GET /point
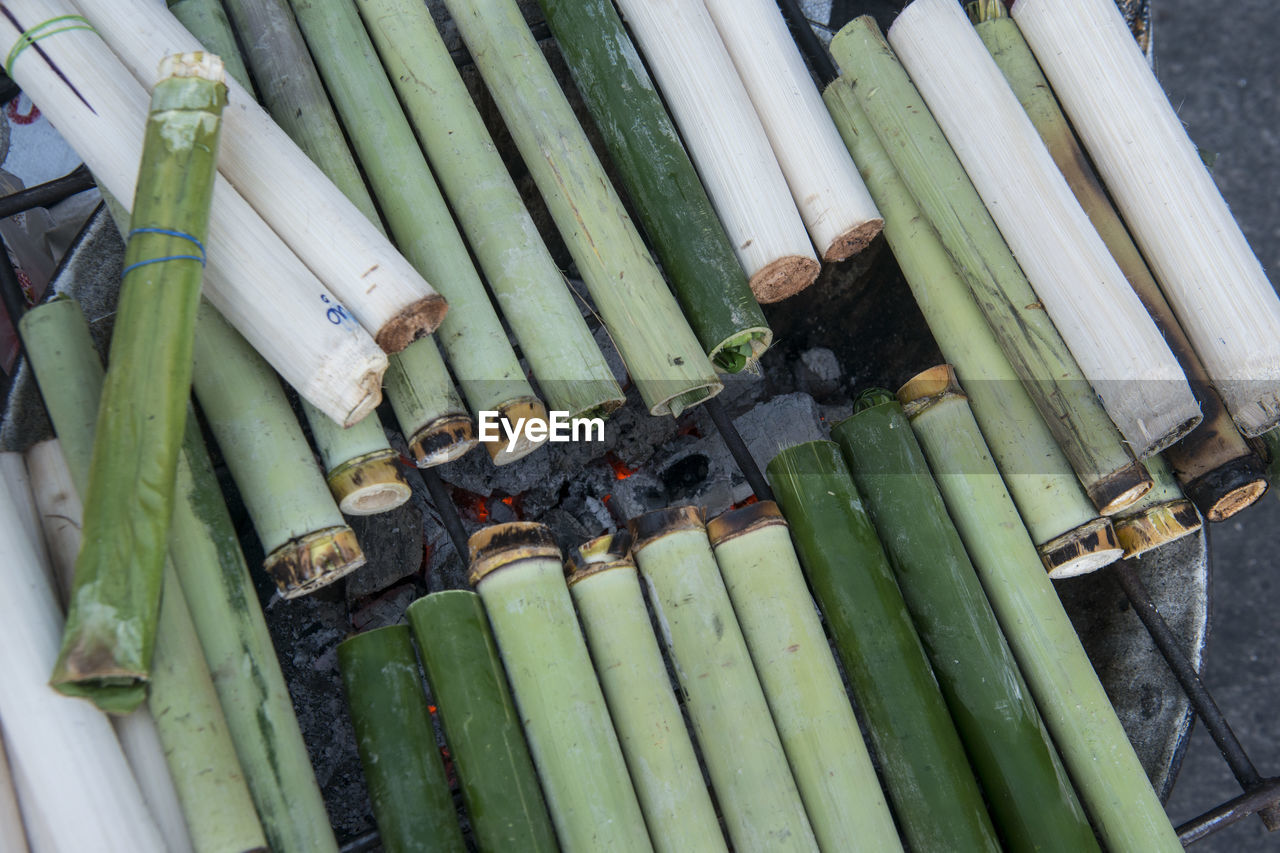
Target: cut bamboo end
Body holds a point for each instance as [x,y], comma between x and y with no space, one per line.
[937,381]
[369,484]
[200,64]
[611,551]
[303,565]
[527,409]
[443,440]
[1085,549]
[415,321]
[742,351]
[501,545]
[677,404]
[853,241]
[1156,526]
[1120,489]
[739,522]
[652,526]
[1229,488]
[783,277]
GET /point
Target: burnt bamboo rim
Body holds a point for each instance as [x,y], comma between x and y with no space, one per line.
[369,484]
[853,241]
[602,554]
[1120,489]
[743,520]
[443,440]
[1081,550]
[783,277]
[414,321]
[511,412]
[1156,526]
[1227,489]
[652,526]
[500,545]
[306,563]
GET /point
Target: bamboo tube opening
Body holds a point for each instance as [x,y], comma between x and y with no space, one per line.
[1084,549]
[742,351]
[784,277]
[501,545]
[305,564]
[738,522]
[416,320]
[652,526]
[1121,489]
[527,409]
[677,404]
[1227,489]
[1156,526]
[853,241]
[443,440]
[369,484]
[610,551]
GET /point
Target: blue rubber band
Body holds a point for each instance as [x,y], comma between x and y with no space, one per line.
[168,233]
[40,31]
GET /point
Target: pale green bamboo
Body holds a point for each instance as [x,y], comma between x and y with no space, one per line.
[518,572]
[606,592]
[306,540]
[531,290]
[802,684]
[661,353]
[1103,766]
[432,417]
[744,756]
[1063,523]
[207,21]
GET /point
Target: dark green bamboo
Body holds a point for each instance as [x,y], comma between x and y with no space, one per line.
[402,764]
[660,179]
[927,777]
[481,726]
[1031,799]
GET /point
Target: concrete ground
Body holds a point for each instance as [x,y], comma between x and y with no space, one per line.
[1220,65]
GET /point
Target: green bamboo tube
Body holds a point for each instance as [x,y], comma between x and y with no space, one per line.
[402,764]
[1068,533]
[1161,516]
[927,777]
[431,415]
[471,333]
[745,759]
[306,540]
[207,21]
[114,604]
[1215,466]
[815,721]
[937,181]
[1104,768]
[1031,800]
[567,364]
[189,720]
[517,570]
[661,353]
[661,182]
[481,726]
[605,588]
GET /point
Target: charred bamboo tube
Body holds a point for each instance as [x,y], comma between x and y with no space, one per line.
[115,601]
[659,349]
[655,169]
[432,417]
[328,357]
[566,362]
[727,143]
[1068,533]
[834,203]
[804,689]
[471,334]
[1107,774]
[402,764]
[745,759]
[1083,290]
[1031,800]
[937,181]
[1161,516]
[1217,469]
[481,726]
[306,540]
[517,570]
[351,256]
[605,587]
[207,21]
[1167,197]
[927,777]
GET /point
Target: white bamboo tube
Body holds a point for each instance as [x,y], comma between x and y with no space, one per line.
[726,142]
[343,248]
[14,475]
[295,322]
[13,837]
[1101,319]
[833,201]
[60,512]
[82,794]
[1168,199]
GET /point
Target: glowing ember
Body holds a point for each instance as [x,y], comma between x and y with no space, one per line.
[620,469]
[471,506]
[748,502]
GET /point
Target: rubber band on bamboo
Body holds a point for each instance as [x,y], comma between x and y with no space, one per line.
[168,233]
[41,31]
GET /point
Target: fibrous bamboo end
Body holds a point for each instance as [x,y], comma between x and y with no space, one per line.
[1156,526]
[417,320]
[784,277]
[305,564]
[676,404]
[853,241]
[1119,489]
[1084,549]
[443,440]
[610,551]
[369,484]
[206,66]
[742,351]
[500,545]
[743,520]
[648,528]
[527,409]
[1227,489]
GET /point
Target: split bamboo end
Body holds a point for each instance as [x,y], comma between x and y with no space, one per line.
[1156,526]
[738,522]
[1227,489]
[686,399]
[654,525]
[443,440]
[1120,489]
[853,241]
[527,409]
[303,565]
[200,64]
[610,551]
[417,320]
[784,277]
[1081,550]
[500,545]
[369,484]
